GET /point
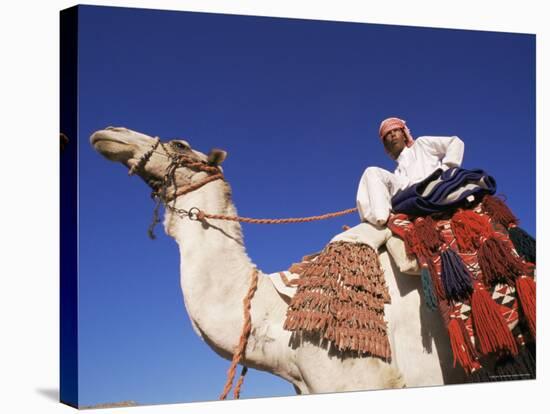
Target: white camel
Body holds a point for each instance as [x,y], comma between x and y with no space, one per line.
[216,273]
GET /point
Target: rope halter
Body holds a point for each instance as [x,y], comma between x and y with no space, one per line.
[177,160]
[166,189]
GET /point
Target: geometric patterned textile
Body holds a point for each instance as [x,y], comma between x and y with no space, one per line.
[471,332]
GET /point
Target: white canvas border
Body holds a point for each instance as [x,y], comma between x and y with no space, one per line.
[29,304]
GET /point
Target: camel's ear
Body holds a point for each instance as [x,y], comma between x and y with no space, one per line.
[216,156]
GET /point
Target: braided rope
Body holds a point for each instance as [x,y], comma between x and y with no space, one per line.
[201,215]
[237,391]
[144,159]
[238,354]
[199,165]
[192,187]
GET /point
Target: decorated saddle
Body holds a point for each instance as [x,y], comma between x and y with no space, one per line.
[477,269]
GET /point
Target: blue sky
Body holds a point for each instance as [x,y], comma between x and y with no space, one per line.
[297,105]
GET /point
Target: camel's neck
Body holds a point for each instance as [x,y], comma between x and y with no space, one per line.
[215,269]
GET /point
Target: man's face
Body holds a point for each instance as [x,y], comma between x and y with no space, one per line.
[394,142]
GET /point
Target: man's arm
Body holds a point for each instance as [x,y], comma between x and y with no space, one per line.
[363,197]
[449,150]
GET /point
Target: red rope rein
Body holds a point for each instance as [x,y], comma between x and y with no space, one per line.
[202,215]
[239,352]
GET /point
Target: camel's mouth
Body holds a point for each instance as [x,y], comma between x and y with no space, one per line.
[122,145]
[109,134]
[111,145]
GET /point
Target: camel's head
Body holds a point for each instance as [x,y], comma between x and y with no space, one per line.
[151,162]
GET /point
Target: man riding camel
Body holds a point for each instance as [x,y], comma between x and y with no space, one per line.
[416,160]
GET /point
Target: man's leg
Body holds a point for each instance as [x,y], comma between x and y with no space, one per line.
[376,188]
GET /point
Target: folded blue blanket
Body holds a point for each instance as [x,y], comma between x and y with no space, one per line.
[443,191]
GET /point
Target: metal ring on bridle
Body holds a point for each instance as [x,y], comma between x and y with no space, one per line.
[193,213]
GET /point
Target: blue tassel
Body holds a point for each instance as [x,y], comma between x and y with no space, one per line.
[525,245]
[428,288]
[457,280]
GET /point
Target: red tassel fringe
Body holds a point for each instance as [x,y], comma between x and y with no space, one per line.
[497,263]
[491,329]
[527,293]
[410,243]
[499,211]
[468,227]
[463,351]
[426,238]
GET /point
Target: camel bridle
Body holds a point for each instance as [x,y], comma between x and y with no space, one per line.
[177,160]
[166,189]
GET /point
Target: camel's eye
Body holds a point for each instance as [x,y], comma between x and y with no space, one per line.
[179,146]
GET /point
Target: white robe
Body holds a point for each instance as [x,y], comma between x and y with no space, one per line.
[377,186]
